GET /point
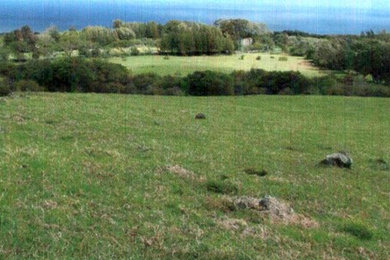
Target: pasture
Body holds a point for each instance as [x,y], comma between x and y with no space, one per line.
[86,175]
[183,65]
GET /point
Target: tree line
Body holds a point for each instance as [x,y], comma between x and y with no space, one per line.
[174,37]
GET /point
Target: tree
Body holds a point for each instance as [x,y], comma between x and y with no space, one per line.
[240,28]
[152,30]
[125,33]
[117,24]
[69,42]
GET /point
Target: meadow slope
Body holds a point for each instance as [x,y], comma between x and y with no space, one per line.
[228,63]
[84,175]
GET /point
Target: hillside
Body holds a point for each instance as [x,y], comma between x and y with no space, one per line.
[113,176]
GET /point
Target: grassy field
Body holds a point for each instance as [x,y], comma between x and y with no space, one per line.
[185,65]
[83,175]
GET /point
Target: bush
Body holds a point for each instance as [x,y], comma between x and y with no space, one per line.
[283,58]
[258,58]
[209,83]
[135,51]
[143,82]
[5,90]
[72,74]
[28,85]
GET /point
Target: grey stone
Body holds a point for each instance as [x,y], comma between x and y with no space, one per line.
[341,159]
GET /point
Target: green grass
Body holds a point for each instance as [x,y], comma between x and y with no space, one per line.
[83,176]
[185,65]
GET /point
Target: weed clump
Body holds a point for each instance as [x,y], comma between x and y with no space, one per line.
[380,165]
[251,171]
[258,58]
[358,230]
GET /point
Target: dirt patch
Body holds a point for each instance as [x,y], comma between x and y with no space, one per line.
[277,211]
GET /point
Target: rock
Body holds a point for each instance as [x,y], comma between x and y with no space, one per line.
[276,208]
[340,159]
[200,116]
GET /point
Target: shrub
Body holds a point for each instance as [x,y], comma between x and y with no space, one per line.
[72,74]
[28,85]
[258,58]
[209,83]
[144,82]
[5,90]
[242,57]
[135,51]
[166,57]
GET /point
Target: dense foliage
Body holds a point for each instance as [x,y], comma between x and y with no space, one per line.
[187,38]
[368,54]
[94,75]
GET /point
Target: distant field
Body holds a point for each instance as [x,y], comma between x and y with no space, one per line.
[185,65]
[83,176]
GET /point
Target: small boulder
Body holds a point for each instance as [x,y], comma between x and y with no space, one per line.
[276,208]
[341,159]
[200,116]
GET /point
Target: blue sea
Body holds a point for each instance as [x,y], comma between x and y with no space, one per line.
[66,13]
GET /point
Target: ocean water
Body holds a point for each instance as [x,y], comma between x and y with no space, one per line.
[66,13]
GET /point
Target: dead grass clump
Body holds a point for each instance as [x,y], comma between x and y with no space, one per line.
[277,211]
[181,172]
